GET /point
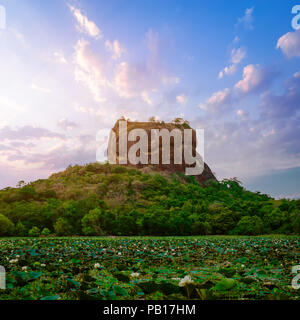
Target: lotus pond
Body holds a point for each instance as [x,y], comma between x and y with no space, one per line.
[149,268]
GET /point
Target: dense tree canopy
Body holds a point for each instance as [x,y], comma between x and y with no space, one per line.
[101,199]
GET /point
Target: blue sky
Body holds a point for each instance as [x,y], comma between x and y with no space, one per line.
[70,68]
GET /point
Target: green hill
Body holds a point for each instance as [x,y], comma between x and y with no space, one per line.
[103,199]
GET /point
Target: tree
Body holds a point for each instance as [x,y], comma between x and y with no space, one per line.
[46,232]
[201,227]
[34,232]
[91,222]
[249,226]
[20,184]
[223,222]
[20,229]
[62,227]
[6,226]
[178,120]
[26,193]
[295,221]
[275,219]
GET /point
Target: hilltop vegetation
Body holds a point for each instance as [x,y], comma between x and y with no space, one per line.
[103,199]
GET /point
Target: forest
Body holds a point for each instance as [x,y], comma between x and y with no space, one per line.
[102,199]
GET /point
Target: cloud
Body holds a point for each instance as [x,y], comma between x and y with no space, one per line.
[132,80]
[216,100]
[59,57]
[40,89]
[33,152]
[73,150]
[244,115]
[297,74]
[231,69]
[285,105]
[289,44]
[113,82]
[66,124]
[247,19]
[249,148]
[236,39]
[85,25]
[236,56]
[89,69]
[240,112]
[255,77]
[253,146]
[19,36]
[219,97]
[182,99]
[116,49]
[26,133]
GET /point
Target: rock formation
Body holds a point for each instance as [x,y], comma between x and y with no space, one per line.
[148,127]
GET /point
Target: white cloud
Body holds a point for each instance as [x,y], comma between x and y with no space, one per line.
[289,44]
[236,56]
[231,69]
[19,36]
[59,57]
[116,49]
[85,25]
[146,97]
[40,89]
[168,80]
[236,39]
[247,19]
[297,74]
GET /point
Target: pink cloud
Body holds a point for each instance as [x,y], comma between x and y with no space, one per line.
[289,44]
[85,25]
[254,77]
[66,124]
[217,99]
[89,69]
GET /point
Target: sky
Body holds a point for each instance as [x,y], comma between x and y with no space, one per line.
[232,68]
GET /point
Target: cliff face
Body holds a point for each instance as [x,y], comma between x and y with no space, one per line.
[172,166]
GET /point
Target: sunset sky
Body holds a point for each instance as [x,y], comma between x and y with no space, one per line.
[71,68]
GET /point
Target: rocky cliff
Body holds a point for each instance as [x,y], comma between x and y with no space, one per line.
[172,166]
